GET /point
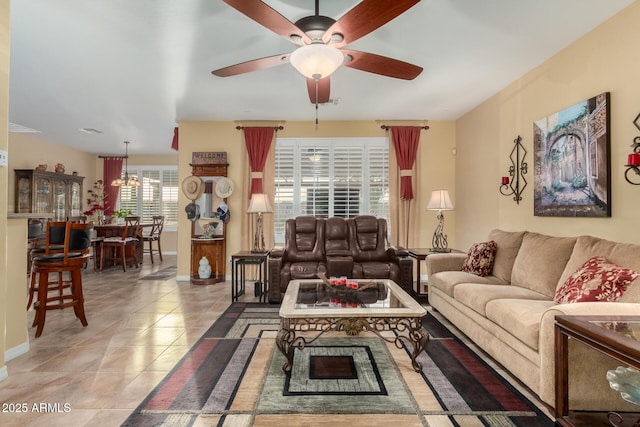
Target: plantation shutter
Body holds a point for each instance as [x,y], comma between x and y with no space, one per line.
[170,196]
[150,194]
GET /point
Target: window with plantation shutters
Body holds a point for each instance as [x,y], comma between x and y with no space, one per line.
[330,177]
[156,195]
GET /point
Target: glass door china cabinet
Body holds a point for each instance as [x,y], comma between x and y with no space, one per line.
[48,192]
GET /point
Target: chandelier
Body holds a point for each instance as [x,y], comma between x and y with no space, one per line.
[125,180]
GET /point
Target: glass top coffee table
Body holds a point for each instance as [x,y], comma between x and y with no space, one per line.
[376,306]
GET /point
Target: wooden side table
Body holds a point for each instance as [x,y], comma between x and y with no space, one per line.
[239,262]
[213,250]
[421,254]
[615,336]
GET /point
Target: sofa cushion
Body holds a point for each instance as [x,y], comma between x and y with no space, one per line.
[598,279]
[508,244]
[632,294]
[520,317]
[476,296]
[480,258]
[446,281]
[624,254]
[540,262]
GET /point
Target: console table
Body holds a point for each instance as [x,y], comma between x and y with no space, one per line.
[615,336]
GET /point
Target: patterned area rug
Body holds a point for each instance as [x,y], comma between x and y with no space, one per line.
[233,376]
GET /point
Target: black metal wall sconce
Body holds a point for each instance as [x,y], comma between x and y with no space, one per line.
[515,183]
[633,162]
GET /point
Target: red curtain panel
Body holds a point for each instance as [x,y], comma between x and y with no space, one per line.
[258,140]
[405,140]
[112,170]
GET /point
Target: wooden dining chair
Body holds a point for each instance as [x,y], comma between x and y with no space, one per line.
[154,236]
[81,219]
[123,246]
[60,293]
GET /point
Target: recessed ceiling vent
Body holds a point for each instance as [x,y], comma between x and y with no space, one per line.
[16,128]
[89,130]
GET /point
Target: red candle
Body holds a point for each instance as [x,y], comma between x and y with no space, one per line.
[505,180]
[634,159]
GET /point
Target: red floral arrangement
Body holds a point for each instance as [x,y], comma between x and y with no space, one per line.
[97,200]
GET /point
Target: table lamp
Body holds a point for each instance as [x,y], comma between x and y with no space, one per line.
[440,201]
[259,204]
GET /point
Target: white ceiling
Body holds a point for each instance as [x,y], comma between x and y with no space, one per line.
[133,68]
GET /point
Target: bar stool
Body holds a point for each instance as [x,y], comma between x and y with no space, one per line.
[67,293]
[53,244]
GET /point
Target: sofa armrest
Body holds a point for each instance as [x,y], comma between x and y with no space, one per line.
[582,360]
[445,262]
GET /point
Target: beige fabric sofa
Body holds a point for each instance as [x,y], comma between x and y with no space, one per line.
[510,314]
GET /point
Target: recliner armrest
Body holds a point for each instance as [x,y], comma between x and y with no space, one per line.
[395,252]
[338,252]
[277,252]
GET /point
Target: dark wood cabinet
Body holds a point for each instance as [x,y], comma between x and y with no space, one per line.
[214,250]
[48,193]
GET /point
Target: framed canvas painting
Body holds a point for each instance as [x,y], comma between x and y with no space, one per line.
[571,155]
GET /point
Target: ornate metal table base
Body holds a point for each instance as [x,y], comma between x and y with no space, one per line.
[407,328]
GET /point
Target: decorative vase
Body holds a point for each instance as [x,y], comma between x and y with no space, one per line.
[59,168]
[204,271]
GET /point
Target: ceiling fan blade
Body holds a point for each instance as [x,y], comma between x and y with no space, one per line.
[382,65]
[253,65]
[365,17]
[324,88]
[268,17]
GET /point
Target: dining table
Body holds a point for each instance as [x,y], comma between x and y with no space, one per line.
[115,230]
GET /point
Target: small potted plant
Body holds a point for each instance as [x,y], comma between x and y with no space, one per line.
[120,214]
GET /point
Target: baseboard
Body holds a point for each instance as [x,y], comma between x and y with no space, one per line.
[3,373]
[188,278]
[16,351]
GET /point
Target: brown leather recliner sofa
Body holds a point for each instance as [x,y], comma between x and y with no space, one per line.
[354,247]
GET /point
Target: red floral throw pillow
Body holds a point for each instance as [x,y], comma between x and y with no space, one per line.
[480,258]
[598,279]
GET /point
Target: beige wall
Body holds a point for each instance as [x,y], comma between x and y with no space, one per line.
[604,60]
[27,151]
[4,173]
[23,146]
[436,162]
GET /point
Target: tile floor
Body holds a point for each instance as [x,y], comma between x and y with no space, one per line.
[138,330]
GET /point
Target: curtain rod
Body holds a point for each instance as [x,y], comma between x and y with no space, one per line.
[277,128]
[113,157]
[385,127]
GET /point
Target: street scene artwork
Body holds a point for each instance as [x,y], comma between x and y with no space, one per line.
[572,170]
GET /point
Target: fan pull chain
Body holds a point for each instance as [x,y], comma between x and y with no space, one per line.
[316,103]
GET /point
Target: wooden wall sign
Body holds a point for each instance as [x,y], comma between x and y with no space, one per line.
[209,157]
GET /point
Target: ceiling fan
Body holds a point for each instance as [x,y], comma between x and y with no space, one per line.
[320,40]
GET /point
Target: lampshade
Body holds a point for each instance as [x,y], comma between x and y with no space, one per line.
[316,60]
[440,201]
[259,203]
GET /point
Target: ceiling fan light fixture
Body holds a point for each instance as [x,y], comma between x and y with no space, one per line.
[317,60]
